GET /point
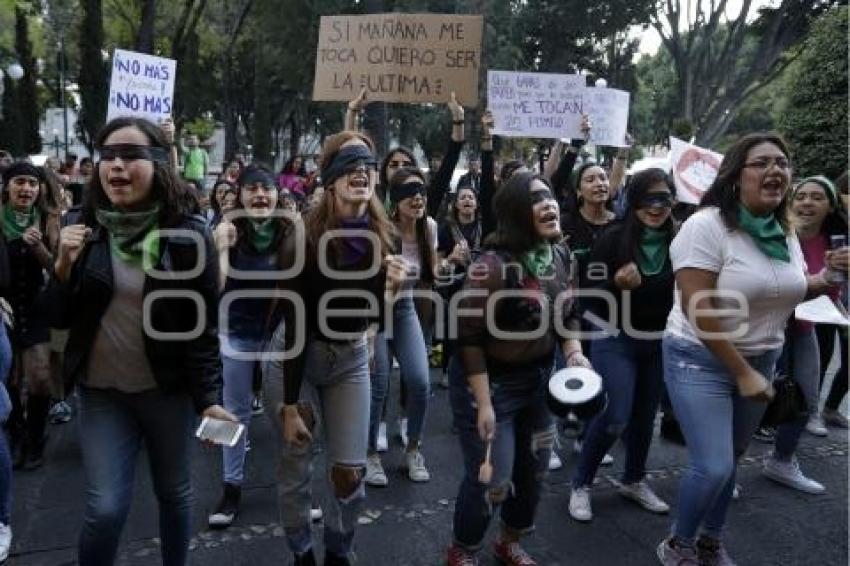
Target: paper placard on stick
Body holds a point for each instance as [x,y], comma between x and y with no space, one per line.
[608,109]
[536,105]
[694,169]
[399,57]
[822,311]
[141,85]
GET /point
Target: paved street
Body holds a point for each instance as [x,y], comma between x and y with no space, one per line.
[408,524]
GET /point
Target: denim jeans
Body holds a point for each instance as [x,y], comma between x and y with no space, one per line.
[717,424]
[520,452]
[633,377]
[5,409]
[238,393]
[112,427]
[336,388]
[408,345]
[805,369]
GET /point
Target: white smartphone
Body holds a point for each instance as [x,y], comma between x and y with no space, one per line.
[220,432]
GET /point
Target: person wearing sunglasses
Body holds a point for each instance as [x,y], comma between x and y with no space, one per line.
[30,233]
[638,276]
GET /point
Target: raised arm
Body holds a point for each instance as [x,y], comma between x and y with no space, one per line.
[488,176]
[618,169]
[441,181]
[354,110]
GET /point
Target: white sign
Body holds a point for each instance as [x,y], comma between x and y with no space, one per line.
[608,109]
[537,105]
[694,169]
[142,85]
[822,311]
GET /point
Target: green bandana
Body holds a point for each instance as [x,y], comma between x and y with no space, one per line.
[538,260]
[766,232]
[15,223]
[133,236]
[652,251]
[263,234]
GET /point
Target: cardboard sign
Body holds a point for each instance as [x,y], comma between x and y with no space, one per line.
[142,85]
[399,57]
[608,109]
[694,169]
[536,105]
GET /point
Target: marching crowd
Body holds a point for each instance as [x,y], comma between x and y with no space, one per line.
[144,301]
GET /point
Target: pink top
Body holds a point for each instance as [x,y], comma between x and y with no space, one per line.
[292,182]
[814,252]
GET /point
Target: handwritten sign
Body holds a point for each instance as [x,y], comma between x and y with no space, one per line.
[142,85]
[694,169]
[608,109]
[399,57]
[536,105]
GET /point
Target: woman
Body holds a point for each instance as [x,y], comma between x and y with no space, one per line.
[111,260]
[248,244]
[813,207]
[639,278]
[292,175]
[499,396]
[404,338]
[220,191]
[736,260]
[30,232]
[327,387]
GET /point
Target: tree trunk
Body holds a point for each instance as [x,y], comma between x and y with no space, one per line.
[27,93]
[376,113]
[145,37]
[94,88]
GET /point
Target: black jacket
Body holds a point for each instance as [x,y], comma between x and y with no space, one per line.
[188,364]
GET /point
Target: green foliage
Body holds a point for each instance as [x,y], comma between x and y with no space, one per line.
[201,126]
[815,119]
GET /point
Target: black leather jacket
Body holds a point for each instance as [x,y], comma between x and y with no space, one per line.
[188,364]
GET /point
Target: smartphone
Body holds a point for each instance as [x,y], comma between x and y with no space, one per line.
[220,432]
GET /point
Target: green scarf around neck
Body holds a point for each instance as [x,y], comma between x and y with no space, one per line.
[652,251]
[133,236]
[538,260]
[264,232]
[14,223]
[766,232]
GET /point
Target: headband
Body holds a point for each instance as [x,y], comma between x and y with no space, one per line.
[827,185]
[253,175]
[20,169]
[344,159]
[406,190]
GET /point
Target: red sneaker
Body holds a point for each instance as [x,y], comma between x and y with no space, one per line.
[459,557]
[512,554]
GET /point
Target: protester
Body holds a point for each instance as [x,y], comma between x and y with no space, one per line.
[639,278]
[231,172]
[111,258]
[327,389]
[499,397]
[718,370]
[219,194]
[292,175]
[472,178]
[195,161]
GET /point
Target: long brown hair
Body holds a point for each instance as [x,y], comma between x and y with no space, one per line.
[423,244]
[322,218]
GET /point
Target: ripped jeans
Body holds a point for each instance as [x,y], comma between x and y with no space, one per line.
[525,433]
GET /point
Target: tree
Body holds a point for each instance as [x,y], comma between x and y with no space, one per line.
[146,35]
[815,118]
[30,140]
[94,72]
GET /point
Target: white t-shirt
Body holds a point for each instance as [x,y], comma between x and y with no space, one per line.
[769,289]
[410,253]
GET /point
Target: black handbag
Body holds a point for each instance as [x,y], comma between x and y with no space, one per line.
[789,404]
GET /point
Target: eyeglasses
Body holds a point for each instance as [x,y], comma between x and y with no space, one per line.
[764,163]
[398,164]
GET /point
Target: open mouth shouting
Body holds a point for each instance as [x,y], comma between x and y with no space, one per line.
[119,183]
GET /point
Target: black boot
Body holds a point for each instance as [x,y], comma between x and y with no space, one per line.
[228,507]
[306,559]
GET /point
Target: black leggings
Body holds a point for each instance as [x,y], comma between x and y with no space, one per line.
[826,343]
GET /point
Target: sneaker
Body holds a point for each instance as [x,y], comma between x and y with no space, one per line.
[375,475]
[642,494]
[416,469]
[5,541]
[671,552]
[402,431]
[789,474]
[257,406]
[381,443]
[766,434]
[227,508]
[456,556]
[711,552]
[580,508]
[736,492]
[607,459]
[512,554]
[836,418]
[60,413]
[316,514]
[816,426]
[555,462]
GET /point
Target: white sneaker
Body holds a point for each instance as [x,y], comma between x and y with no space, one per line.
[607,459]
[402,430]
[816,426]
[316,514]
[375,475]
[381,443]
[642,494]
[789,474]
[736,492]
[416,469]
[5,541]
[580,508]
[835,418]
[555,462]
